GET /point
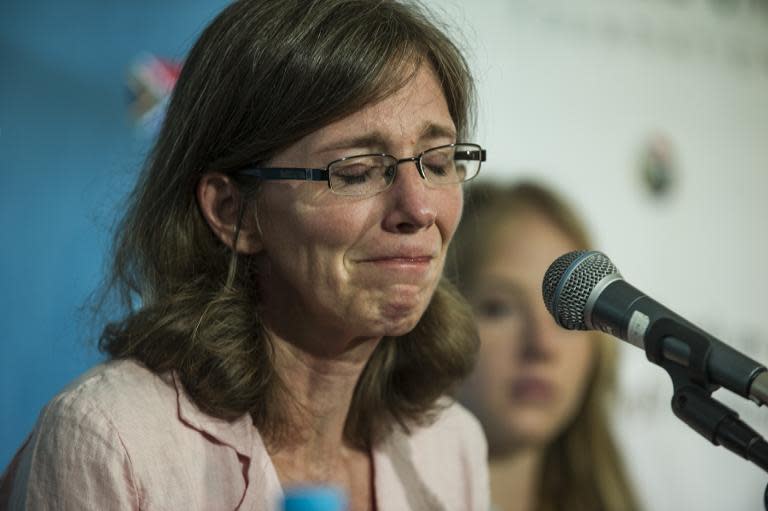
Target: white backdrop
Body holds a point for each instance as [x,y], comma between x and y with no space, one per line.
[570,93]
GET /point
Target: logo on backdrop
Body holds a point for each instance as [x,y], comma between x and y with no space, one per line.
[150,82]
[657,166]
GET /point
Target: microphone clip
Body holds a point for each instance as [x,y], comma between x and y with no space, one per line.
[684,352]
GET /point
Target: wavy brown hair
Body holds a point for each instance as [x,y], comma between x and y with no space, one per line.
[262,75]
[582,468]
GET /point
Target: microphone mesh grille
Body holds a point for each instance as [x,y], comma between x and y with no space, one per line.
[568,283]
[554,274]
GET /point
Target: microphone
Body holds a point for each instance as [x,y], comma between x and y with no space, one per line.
[583,290]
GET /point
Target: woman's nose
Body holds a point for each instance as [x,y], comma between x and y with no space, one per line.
[540,337]
[411,202]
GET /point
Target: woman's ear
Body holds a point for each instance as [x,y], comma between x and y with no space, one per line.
[220,201]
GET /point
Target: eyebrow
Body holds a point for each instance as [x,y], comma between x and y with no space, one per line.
[373,139]
[432,130]
[486,285]
[377,139]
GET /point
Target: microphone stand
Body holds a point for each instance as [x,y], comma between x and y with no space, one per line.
[692,401]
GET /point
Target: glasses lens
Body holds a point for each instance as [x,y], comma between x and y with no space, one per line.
[451,164]
[362,175]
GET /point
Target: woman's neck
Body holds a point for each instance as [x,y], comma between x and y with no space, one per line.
[515,480]
[321,390]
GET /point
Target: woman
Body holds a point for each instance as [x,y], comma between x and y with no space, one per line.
[540,391]
[287,322]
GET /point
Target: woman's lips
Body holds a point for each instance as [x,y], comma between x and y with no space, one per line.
[532,390]
[397,260]
[412,268]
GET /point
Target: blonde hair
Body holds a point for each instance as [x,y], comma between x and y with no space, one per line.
[582,467]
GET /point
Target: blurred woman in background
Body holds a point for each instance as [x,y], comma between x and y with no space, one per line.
[540,391]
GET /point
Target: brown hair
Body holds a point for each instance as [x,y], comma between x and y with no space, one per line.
[261,76]
[582,467]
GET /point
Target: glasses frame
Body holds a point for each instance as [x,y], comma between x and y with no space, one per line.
[324,174]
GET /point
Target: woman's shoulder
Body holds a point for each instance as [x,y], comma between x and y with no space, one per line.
[115,391]
[115,378]
[121,433]
[149,415]
[76,456]
[119,407]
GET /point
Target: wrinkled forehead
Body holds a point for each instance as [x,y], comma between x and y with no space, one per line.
[418,110]
[412,119]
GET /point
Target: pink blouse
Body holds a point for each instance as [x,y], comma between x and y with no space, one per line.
[122,437]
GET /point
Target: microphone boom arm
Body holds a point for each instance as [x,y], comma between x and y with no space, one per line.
[693,404]
[685,352]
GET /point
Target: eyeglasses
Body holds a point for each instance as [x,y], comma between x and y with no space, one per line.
[369,174]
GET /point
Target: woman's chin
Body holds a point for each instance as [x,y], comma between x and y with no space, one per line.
[388,314]
[401,329]
[394,325]
[400,319]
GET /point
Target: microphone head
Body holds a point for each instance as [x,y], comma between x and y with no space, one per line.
[568,283]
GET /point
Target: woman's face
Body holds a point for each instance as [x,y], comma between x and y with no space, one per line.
[342,268]
[531,374]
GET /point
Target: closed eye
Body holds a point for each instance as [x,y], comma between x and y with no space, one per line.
[438,164]
[353,174]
